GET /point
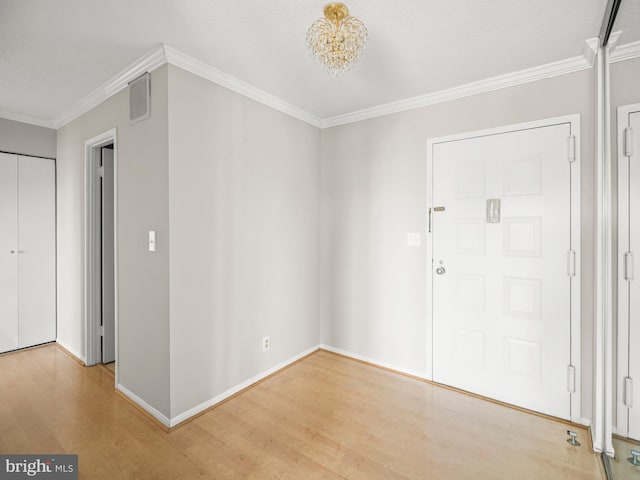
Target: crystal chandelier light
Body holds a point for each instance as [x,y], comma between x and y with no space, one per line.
[337,39]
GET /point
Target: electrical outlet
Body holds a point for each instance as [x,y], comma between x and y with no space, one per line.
[266,343]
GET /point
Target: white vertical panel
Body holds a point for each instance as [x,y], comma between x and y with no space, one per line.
[37,261]
[8,252]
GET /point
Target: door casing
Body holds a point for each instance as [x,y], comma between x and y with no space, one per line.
[92,252]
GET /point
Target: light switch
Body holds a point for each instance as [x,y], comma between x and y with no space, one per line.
[152,240]
[413,239]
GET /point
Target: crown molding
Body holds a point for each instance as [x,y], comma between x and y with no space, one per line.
[206,71]
[148,62]
[17,117]
[627,51]
[590,50]
[165,54]
[549,70]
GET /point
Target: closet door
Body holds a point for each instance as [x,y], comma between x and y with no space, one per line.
[628,411]
[8,252]
[37,258]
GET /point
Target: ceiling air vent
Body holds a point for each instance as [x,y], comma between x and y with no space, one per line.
[140,98]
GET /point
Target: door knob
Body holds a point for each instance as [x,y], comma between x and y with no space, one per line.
[13,251]
[440,270]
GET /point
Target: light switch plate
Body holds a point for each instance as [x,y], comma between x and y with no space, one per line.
[152,240]
[413,239]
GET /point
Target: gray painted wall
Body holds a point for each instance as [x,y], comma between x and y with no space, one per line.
[244,211]
[17,137]
[373,191]
[624,84]
[143,204]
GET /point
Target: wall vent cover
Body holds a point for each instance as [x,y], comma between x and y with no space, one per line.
[140,98]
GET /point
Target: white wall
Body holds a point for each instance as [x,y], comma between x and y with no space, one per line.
[373,191]
[17,137]
[244,211]
[143,277]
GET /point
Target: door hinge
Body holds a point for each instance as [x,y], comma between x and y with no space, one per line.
[628,392]
[100,171]
[571,263]
[571,150]
[429,219]
[628,142]
[628,266]
[571,379]
[102,330]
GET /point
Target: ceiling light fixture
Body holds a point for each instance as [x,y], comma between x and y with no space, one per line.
[337,39]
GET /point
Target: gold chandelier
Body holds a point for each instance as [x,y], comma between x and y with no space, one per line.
[337,39]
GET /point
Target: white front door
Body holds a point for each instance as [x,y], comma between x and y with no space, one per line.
[628,389]
[502,264]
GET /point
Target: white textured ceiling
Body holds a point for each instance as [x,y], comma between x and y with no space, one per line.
[53,53]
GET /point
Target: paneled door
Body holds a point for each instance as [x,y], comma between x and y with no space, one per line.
[504,261]
[628,411]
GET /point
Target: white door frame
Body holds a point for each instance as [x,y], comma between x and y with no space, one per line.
[575,355]
[92,257]
[622,424]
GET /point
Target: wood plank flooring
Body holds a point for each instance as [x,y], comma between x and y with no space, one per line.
[326,417]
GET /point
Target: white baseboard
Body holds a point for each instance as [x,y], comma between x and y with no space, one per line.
[233,390]
[584,421]
[374,361]
[72,351]
[141,403]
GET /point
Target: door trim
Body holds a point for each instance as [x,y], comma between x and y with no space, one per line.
[575,333]
[91,253]
[621,426]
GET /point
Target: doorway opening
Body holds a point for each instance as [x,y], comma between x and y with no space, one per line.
[101,251]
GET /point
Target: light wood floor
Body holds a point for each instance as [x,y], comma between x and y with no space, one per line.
[111,367]
[326,417]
